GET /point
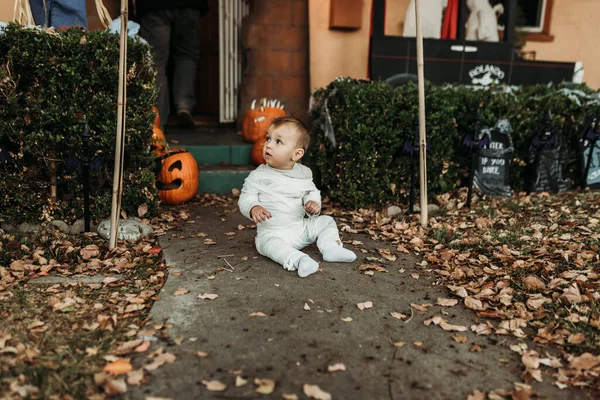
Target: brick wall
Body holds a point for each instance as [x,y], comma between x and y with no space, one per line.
[275,44]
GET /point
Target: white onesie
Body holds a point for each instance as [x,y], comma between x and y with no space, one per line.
[283,193]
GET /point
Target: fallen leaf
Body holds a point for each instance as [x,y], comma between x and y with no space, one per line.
[459,338]
[135,377]
[118,367]
[142,347]
[209,242]
[265,386]
[366,304]
[180,292]
[576,338]
[214,385]
[367,267]
[336,367]
[346,319]
[201,354]
[207,296]
[257,314]
[289,396]
[531,282]
[398,315]
[239,381]
[416,276]
[399,344]
[418,344]
[315,392]
[306,307]
[473,303]
[446,302]
[142,210]
[476,348]
[421,307]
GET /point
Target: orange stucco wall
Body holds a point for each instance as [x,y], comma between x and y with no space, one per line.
[334,53]
[575,28]
[6,10]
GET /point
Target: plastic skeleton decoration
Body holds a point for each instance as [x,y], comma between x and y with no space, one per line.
[483,21]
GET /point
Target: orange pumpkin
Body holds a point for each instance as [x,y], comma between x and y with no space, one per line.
[257,120]
[257,155]
[177,181]
[158,142]
[156,117]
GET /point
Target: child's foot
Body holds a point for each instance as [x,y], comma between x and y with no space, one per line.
[338,254]
[307,266]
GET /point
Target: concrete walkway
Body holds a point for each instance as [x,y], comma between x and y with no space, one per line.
[294,345]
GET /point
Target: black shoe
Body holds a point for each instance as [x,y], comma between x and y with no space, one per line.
[185,119]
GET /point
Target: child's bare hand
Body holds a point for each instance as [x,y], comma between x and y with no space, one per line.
[312,207]
[259,214]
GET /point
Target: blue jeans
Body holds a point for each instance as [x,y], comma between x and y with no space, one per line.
[59,13]
[174,33]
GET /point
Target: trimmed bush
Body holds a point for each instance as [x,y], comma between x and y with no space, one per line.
[51,83]
[365,164]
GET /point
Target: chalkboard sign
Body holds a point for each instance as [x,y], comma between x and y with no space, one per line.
[593,173]
[494,157]
[546,162]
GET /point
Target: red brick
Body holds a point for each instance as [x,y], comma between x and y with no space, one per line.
[298,110]
[255,87]
[291,39]
[300,13]
[299,61]
[257,36]
[269,62]
[272,12]
[290,88]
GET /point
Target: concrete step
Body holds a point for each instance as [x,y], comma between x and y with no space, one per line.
[223,157]
[217,146]
[222,179]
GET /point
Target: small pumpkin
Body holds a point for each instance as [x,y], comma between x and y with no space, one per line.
[257,120]
[177,181]
[158,142]
[256,154]
[156,117]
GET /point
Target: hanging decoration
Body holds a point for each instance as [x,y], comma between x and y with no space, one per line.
[590,143]
[546,160]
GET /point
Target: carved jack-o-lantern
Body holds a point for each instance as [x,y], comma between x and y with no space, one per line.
[257,120]
[257,155]
[177,181]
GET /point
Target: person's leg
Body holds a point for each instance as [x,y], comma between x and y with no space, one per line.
[38,10]
[68,13]
[284,253]
[325,231]
[186,53]
[155,28]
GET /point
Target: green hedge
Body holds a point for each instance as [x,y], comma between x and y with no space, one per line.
[372,120]
[50,83]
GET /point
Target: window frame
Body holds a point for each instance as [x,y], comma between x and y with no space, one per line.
[541,34]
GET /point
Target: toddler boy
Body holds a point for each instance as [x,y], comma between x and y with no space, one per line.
[278,195]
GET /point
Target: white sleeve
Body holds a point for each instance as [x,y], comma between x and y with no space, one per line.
[313,194]
[248,197]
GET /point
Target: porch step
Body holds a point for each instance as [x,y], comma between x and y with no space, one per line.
[217,146]
[223,157]
[222,179]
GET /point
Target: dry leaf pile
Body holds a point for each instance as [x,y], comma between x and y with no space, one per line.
[76,337]
[528,266]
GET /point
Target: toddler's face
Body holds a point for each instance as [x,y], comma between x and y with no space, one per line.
[280,149]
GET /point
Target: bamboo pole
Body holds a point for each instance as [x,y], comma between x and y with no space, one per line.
[120,137]
[422,130]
